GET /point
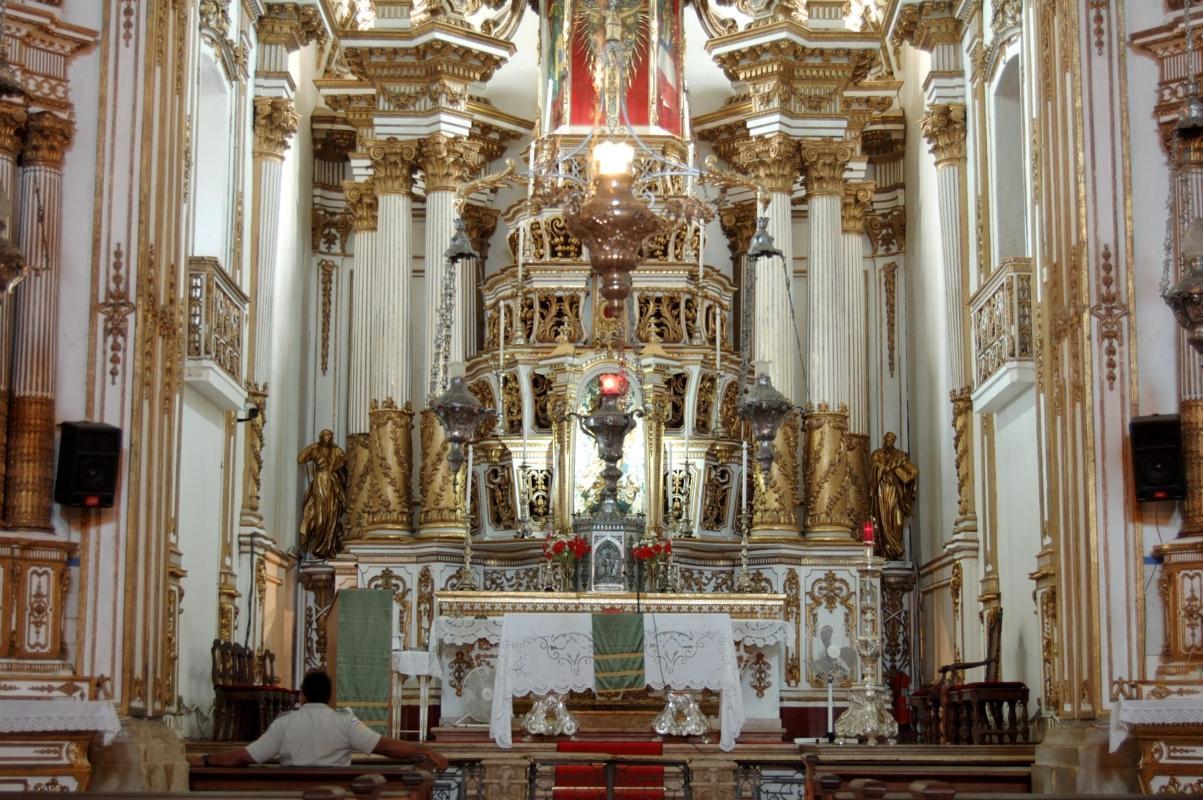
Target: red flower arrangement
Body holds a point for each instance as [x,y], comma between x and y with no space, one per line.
[567,550]
[652,552]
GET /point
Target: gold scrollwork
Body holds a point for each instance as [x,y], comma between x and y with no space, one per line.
[500,489]
[390,581]
[833,594]
[538,492]
[541,386]
[704,408]
[660,317]
[511,403]
[728,410]
[716,496]
[559,317]
[676,385]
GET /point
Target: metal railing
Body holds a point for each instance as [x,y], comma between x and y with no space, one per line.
[632,777]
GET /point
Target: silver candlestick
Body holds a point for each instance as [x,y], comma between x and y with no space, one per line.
[868,717]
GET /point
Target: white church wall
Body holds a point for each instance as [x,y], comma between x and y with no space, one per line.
[927,355]
[202,467]
[74,370]
[1018,535]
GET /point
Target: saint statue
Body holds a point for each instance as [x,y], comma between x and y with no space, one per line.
[325,498]
[891,494]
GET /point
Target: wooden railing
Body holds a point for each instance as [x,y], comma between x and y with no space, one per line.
[831,787]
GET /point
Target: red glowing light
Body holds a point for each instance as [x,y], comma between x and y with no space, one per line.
[612,383]
[866,529]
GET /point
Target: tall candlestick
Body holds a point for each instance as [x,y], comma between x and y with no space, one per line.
[689,174]
[547,109]
[701,254]
[744,471]
[830,705]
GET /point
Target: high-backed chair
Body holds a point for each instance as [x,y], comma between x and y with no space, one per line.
[246,697]
[991,711]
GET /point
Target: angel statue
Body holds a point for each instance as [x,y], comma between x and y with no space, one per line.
[616,32]
[325,498]
[891,494]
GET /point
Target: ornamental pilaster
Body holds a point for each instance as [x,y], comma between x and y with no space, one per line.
[276,121]
[47,137]
[362,201]
[857,200]
[823,163]
[944,128]
[449,162]
[12,124]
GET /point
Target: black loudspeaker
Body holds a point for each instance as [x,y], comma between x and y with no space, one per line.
[1157,457]
[88,457]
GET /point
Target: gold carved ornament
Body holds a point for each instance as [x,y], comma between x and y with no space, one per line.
[824,162]
[275,123]
[511,403]
[390,467]
[500,490]
[425,606]
[677,386]
[832,593]
[393,163]
[793,616]
[448,162]
[944,128]
[704,407]
[716,496]
[390,581]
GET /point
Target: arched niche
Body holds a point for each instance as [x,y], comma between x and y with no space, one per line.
[1008,162]
[587,478]
[213,173]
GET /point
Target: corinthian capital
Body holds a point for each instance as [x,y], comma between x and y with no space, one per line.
[824,161]
[858,196]
[393,165]
[449,162]
[771,160]
[275,122]
[480,223]
[47,137]
[12,121]
[944,128]
[361,199]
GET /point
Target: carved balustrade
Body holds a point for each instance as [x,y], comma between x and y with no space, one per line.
[216,314]
[1001,311]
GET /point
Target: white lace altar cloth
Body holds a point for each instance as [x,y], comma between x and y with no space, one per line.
[763,632]
[460,630]
[541,653]
[53,716]
[1168,712]
[416,663]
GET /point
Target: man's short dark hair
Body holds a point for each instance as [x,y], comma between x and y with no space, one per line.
[316,687]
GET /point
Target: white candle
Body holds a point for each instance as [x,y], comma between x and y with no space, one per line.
[521,249]
[689,174]
[830,705]
[701,254]
[744,504]
[718,337]
[524,436]
[547,109]
[669,446]
[501,336]
[468,489]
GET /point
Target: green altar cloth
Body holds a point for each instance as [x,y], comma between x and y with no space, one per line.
[363,668]
[617,654]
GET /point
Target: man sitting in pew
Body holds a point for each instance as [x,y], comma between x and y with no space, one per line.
[315,735]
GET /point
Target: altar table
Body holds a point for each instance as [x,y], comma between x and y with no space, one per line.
[542,653]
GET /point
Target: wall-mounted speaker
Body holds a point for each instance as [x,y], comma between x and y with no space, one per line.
[89,454]
[1157,457]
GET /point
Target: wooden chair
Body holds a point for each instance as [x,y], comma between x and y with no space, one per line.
[991,711]
[246,697]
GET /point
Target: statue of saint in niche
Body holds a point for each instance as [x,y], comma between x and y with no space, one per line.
[325,498]
[892,483]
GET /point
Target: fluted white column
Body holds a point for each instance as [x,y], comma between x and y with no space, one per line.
[944,127]
[829,508]
[774,339]
[12,118]
[30,471]
[392,300]
[362,201]
[856,200]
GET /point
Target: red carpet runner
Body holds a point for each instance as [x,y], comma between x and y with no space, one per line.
[588,781]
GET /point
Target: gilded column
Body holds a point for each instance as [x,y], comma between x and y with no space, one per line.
[858,197]
[446,164]
[656,401]
[389,300]
[29,478]
[562,429]
[944,128]
[828,510]
[12,120]
[275,123]
[361,199]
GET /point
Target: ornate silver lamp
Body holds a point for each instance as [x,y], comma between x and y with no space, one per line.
[764,408]
[1185,298]
[608,427]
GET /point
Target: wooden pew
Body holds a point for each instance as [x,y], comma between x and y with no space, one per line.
[397,779]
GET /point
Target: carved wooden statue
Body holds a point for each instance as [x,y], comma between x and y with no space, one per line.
[325,498]
[892,486]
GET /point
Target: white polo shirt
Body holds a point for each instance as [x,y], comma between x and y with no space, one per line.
[314,735]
